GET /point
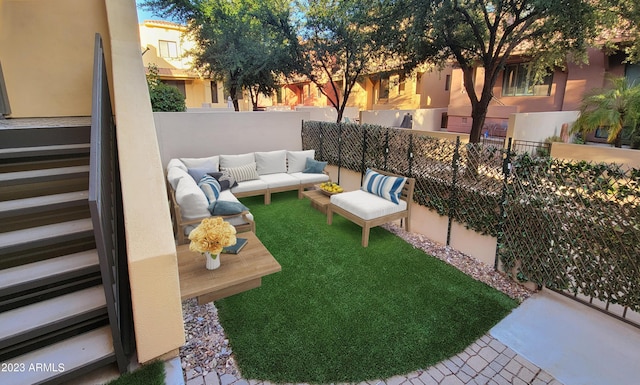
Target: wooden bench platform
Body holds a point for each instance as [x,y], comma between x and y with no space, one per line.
[237,272]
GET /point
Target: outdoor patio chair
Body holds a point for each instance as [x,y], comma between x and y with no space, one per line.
[384,197]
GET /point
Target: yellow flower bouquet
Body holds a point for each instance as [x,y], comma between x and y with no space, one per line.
[211,236]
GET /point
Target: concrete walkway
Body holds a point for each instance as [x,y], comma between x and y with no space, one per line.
[574,343]
[549,339]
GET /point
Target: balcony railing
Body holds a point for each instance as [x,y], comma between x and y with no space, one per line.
[105,203]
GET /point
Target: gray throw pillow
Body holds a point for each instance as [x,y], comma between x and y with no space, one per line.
[313,166]
[226,180]
[226,208]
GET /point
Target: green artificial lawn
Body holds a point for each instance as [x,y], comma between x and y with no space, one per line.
[150,374]
[338,312]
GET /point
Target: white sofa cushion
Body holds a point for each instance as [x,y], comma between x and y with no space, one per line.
[174,174]
[297,160]
[192,201]
[271,162]
[306,178]
[279,180]
[366,205]
[250,185]
[177,163]
[199,162]
[228,161]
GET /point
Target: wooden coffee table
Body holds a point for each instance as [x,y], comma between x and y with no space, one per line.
[319,200]
[237,272]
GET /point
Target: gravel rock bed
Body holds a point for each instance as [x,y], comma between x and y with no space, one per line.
[207,348]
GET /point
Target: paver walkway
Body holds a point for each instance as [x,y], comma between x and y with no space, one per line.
[486,362]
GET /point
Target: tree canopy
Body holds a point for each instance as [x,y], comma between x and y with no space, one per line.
[341,40]
[238,41]
[487,33]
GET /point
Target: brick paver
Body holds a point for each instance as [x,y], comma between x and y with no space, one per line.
[485,362]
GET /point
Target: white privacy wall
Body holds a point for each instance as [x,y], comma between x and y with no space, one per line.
[202,134]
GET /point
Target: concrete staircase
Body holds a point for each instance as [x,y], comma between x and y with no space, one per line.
[53,315]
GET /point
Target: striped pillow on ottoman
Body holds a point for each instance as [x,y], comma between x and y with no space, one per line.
[387,187]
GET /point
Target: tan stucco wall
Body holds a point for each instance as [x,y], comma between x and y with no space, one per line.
[46,50]
[203,134]
[432,88]
[155,288]
[596,153]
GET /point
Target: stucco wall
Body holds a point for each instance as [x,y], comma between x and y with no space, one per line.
[48,61]
[596,153]
[426,119]
[153,269]
[202,134]
[537,126]
[328,114]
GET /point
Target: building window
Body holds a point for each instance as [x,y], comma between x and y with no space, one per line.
[279,95]
[447,82]
[632,73]
[214,92]
[418,80]
[518,81]
[179,84]
[401,83]
[383,87]
[168,49]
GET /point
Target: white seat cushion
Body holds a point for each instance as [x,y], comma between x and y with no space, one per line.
[174,174]
[366,205]
[306,178]
[214,161]
[297,160]
[249,185]
[228,161]
[271,162]
[279,180]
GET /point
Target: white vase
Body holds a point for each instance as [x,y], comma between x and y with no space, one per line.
[213,262]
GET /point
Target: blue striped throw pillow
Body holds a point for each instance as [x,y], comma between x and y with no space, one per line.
[387,187]
[211,188]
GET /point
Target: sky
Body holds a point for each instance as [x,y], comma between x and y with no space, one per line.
[146,15]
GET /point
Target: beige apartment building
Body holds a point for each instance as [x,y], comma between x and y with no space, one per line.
[167,45]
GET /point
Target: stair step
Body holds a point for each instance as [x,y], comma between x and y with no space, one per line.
[42,203]
[25,277]
[45,235]
[38,151]
[40,318]
[44,175]
[79,354]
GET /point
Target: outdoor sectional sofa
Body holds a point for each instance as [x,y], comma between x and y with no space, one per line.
[256,173]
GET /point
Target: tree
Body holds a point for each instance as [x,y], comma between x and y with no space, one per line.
[236,41]
[615,108]
[621,21]
[341,40]
[487,33]
[163,97]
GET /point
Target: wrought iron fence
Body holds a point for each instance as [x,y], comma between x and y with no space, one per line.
[570,227]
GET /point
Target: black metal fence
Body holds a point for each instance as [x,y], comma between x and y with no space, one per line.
[570,227]
[105,204]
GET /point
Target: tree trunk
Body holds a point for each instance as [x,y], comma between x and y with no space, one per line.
[478,115]
[233,90]
[340,113]
[618,141]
